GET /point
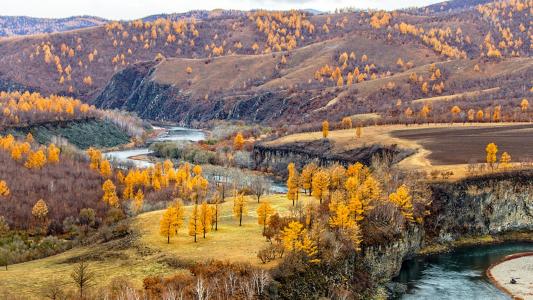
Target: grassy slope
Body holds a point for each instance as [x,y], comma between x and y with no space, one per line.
[83,134]
[146,254]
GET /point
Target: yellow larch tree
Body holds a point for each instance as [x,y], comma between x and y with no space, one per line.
[403,200]
[325,129]
[295,239]
[320,184]
[40,211]
[53,153]
[306,178]
[35,160]
[105,169]
[205,218]
[342,221]
[110,194]
[138,201]
[524,104]
[346,122]
[4,189]
[179,214]
[264,211]
[292,183]
[195,226]
[491,151]
[240,207]
[166,228]
[505,160]
[238,142]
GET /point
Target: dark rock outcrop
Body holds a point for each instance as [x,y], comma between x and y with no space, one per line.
[490,204]
[134,89]
[321,152]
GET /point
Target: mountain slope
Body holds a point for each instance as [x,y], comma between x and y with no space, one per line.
[20,25]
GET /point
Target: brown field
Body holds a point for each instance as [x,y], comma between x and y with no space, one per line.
[438,146]
[459,145]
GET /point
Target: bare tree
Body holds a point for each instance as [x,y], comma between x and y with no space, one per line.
[82,277]
[259,186]
[53,290]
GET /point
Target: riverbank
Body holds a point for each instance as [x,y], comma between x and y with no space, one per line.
[437,248]
[517,267]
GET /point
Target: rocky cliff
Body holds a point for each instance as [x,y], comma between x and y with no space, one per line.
[491,204]
[321,152]
[135,89]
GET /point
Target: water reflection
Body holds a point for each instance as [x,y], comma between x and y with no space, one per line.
[456,275]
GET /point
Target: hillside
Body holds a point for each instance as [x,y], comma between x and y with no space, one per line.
[285,63]
[19,25]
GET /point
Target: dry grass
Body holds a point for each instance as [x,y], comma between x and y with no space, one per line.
[144,258]
[237,244]
[456,96]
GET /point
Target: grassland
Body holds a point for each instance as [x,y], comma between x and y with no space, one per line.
[146,253]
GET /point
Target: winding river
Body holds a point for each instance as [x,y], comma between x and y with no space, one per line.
[459,274]
[173,133]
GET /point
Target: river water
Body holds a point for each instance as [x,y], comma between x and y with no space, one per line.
[456,275]
[172,134]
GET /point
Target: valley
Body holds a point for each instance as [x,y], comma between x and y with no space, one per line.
[343,153]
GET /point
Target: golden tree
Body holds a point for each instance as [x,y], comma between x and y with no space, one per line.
[205,218]
[346,122]
[455,111]
[264,211]
[491,151]
[524,104]
[53,153]
[320,184]
[479,115]
[296,239]
[195,226]
[188,70]
[166,228]
[325,129]
[138,200]
[403,200]
[40,210]
[240,208]
[179,213]
[342,221]
[238,142]
[4,189]
[358,131]
[110,194]
[306,177]
[292,183]
[105,169]
[505,160]
[35,160]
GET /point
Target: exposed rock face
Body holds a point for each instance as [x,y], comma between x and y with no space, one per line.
[7,85]
[491,204]
[485,205]
[384,261]
[134,89]
[321,152]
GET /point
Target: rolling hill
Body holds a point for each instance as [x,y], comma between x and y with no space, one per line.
[269,67]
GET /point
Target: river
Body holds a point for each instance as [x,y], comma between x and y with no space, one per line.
[459,274]
[172,133]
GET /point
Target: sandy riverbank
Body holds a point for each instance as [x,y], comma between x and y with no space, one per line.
[518,266]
